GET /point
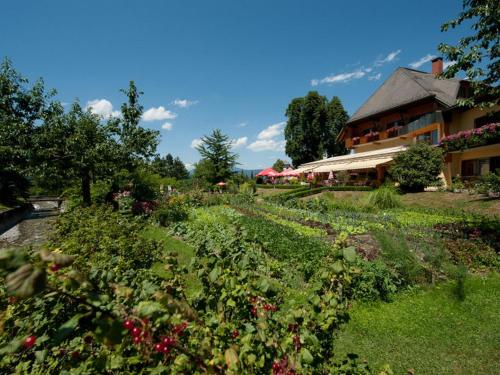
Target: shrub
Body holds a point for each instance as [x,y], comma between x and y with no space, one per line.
[384,197]
[417,167]
[374,282]
[248,187]
[172,211]
[489,184]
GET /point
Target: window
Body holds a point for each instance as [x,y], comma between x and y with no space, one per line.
[488,119]
[476,167]
[429,137]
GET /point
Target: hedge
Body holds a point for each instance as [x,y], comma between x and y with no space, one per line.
[267,186]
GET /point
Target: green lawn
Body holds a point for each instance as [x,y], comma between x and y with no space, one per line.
[430,331]
[184,254]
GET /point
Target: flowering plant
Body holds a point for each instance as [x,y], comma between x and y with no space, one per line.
[393,131]
[355,141]
[485,135]
[371,136]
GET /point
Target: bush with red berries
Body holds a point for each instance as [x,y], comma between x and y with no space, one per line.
[92,314]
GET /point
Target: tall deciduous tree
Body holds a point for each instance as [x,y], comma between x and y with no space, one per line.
[169,166]
[477,55]
[312,128]
[279,165]
[21,108]
[216,148]
[136,142]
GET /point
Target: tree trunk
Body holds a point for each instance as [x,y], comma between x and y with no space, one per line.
[87,200]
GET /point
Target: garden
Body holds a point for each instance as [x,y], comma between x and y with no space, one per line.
[201,283]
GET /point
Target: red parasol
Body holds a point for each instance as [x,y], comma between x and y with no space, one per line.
[269,172]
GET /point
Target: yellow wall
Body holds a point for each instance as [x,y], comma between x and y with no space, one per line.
[465,120]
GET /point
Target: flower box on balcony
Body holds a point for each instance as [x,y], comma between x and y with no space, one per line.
[485,135]
[392,132]
[372,136]
[355,140]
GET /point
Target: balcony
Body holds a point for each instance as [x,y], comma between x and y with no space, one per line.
[423,124]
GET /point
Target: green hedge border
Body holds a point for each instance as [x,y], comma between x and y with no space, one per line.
[284,187]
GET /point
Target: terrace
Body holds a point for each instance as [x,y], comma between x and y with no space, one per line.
[426,123]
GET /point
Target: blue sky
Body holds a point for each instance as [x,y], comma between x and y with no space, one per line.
[226,64]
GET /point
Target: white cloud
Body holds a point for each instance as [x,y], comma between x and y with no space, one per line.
[184,103]
[267,145]
[242,125]
[358,73]
[167,126]
[421,61]
[156,114]
[271,131]
[196,142]
[189,166]
[375,77]
[102,107]
[446,64]
[390,57]
[240,142]
[339,78]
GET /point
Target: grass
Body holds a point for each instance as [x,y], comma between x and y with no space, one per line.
[184,254]
[430,331]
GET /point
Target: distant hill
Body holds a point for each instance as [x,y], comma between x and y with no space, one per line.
[247,172]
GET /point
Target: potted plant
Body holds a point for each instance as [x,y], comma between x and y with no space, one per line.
[355,140]
[372,136]
[392,132]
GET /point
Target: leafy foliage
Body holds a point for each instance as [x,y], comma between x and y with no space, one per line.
[312,128]
[218,161]
[385,197]
[417,167]
[477,55]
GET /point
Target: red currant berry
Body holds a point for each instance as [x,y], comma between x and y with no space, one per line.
[276,366]
[136,331]
[75,355]
[55,267]
[29,341]
[137,340]
[87,339]
[169,341]
[235,334]
[128,324]
[159,347]
[166,350]
[253,310]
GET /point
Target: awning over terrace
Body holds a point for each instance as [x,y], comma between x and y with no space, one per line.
[359,161]
[354,165]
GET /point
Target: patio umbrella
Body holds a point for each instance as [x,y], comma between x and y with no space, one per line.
[268,172]
[222,183]
[310,176]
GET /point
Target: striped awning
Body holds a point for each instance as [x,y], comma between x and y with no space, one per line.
[353,165]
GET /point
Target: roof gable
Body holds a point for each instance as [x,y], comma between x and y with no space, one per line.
[405,86]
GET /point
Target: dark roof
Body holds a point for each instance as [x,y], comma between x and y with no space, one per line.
[406,86]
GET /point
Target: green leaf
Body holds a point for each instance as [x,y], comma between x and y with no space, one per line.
[306,356]
[214,274]
[67,328]
[26,281]
[349,254]
[148,308]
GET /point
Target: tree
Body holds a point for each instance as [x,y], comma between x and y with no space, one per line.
[418,167]
[336,118]
[77,146]
[216,148]
[136,142]
[477,55]
[170,167]
[279,165]
[312,128]
[21,107]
